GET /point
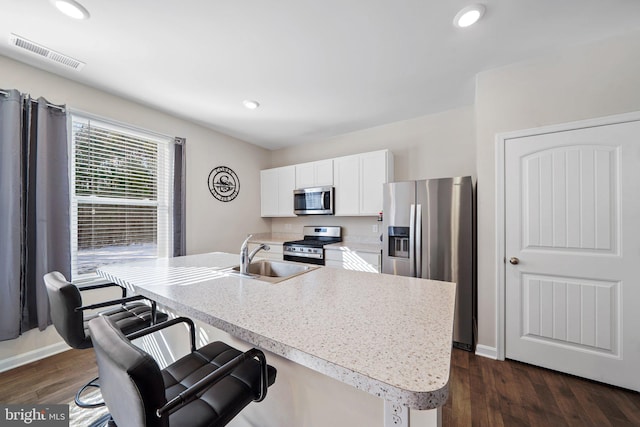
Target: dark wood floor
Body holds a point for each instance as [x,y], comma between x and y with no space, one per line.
[483,392]
[55,379]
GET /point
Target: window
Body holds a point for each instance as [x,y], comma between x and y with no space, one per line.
[121,200]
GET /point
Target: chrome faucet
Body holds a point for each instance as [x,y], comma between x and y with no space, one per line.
[246,257]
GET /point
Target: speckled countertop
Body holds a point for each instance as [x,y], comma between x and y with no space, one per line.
[274,238]
[387,335]
[355,245]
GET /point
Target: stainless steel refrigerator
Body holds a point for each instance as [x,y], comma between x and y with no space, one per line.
[429,232]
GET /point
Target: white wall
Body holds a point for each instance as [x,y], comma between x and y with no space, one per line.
[211,224]
[584,82]
[432,146]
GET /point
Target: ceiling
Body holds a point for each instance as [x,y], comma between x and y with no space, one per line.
[317,68]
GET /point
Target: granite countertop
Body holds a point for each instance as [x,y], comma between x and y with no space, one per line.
[357,246]
[274,238]
[352,244]
[387,335]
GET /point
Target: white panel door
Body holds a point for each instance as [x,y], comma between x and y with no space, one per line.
[572,241]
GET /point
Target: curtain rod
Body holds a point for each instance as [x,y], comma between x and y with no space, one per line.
[57,107]
[54,106]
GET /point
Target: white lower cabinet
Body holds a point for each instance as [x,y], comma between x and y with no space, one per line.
[274,253]
[353,260]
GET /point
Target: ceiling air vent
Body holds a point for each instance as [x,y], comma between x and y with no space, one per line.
[44,52]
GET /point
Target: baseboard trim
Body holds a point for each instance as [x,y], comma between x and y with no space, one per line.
[32,356]
[486,351]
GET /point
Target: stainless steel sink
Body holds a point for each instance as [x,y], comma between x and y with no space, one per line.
[273,271]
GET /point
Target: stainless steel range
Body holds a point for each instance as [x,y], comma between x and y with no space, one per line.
[311,249]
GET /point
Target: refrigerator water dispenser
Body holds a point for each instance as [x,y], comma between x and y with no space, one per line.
[399,242]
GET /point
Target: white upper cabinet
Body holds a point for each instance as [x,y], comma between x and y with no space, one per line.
[358,182]
[374,171]
[314,174]
[268,188]
[276,191]
[346,177]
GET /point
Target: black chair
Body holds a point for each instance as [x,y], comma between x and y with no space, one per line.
[69,319]
[207,387]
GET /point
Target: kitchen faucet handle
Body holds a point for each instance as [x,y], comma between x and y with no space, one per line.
[246,240]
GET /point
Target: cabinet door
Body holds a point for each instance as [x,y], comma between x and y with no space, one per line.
[352,260]
[373,173]
[269,192]
[314,174]
[286,185]
[305,175]
[323,172]
[346,178]
[276,191]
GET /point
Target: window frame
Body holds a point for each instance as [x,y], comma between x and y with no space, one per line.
[164,181]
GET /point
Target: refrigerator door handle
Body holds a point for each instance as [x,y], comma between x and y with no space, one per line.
[418,239]
[412,240]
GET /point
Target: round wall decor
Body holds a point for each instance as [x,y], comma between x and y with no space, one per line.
[223,183]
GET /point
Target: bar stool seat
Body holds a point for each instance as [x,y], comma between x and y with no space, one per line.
[130,314]
[207,387]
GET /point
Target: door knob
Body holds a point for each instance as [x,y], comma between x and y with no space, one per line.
[513,260]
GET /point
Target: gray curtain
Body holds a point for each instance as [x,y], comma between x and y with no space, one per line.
[34,209]
[179,185]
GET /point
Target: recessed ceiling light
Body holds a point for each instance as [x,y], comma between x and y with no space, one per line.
[469,15]
[71,8]
[250,104]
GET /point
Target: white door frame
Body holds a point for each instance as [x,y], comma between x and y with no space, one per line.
[500,145]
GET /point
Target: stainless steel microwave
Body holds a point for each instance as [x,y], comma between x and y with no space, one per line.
[313,201]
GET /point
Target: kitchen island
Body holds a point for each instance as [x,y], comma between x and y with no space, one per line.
[388,336]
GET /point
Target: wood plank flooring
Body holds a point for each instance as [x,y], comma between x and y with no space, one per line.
[485,392]
[55,379]
[482,392]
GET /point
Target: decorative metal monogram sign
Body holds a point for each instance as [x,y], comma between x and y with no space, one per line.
[223,183]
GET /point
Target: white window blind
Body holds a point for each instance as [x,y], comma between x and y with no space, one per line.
[122,181]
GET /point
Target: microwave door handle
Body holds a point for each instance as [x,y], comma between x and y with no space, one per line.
[322,200]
